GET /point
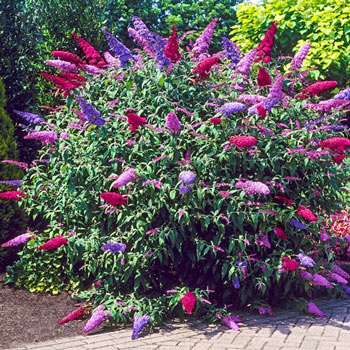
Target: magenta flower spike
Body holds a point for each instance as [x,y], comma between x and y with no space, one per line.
[172,123]
[314,310]
[230,322]
[96,319]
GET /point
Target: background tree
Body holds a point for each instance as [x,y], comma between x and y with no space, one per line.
[12,221]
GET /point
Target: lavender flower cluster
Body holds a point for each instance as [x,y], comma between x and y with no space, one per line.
[114,247]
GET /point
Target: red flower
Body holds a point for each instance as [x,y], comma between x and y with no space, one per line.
[204,67]
[188,301]
[72,77]
[113,198]
[306,213]
[289,264]
[16,195]
[78,313]
[90,52]
[316,88]
[280,233]
[215,120]
[288,202]
[261,111]
[54,243]
[243,141]
[172,47]
[335,143]
[265,47]
[69,57]
[60,83]
[339,158]
[135,121]
[263,77]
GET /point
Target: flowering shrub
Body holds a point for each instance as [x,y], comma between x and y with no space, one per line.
[162,209]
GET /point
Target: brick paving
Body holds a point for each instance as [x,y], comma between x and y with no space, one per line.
[286,331]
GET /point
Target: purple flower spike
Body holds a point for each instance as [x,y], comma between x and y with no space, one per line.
[320,281]
[187,177]
[275,93]
[236,283]
[305,260]
[266,311]
[200,47]
[138,325]
[118,48]
[114,247]
[342,95]
[305,275]
[314,310]
[263,240]
[46,137]
[13,183]
[346,289]
[244,64]
[62,65]
[299,57]
[253,187]
[124,178]
[184,189]
[18,240]
[336,278]
[230,322]
[92,114]
[30,117]
[153,40]
[172,123]
[232,51]
[96,319]
[297,224]
[230,108]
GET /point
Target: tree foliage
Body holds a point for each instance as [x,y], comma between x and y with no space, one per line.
[11,217]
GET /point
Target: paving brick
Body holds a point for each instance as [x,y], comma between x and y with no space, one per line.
[101,344]
[165,347]
[309,344]
[324,345]
[41,344]
[315,330]
[68,344]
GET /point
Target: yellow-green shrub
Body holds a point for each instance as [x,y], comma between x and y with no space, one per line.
[323,23]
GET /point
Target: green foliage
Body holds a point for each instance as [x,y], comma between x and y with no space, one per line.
[323,23]
[205,237]
[12,220]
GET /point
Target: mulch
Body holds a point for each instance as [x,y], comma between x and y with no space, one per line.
[32,317]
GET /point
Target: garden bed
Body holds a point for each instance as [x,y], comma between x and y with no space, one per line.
[32,317]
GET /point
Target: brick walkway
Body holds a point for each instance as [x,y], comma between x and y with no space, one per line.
[287,331]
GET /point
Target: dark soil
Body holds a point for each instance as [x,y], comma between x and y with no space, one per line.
[32,317]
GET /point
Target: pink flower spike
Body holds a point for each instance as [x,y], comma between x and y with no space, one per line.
[218,248]
[18,240]
[204,301]
[171,291]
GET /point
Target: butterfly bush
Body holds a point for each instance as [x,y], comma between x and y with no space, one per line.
[184,182]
